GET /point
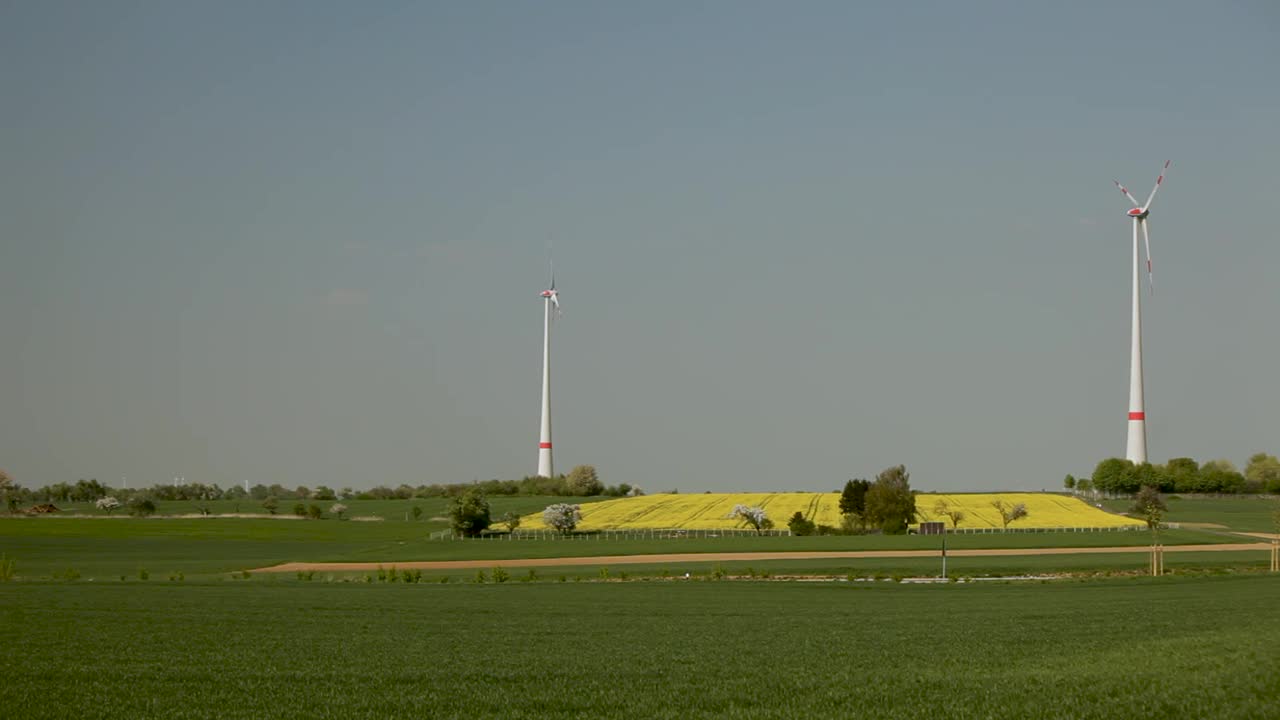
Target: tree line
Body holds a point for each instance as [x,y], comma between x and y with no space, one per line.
[582,481]
[1182,475]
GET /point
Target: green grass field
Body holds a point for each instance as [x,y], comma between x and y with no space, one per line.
[106,548]
[1120,648]
[1247,514]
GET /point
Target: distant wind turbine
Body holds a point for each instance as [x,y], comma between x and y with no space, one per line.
[551,305]
[1136,449]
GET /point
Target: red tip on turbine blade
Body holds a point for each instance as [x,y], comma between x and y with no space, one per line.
[544,446]
[1137,416]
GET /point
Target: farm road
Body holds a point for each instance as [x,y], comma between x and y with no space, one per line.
[737,557]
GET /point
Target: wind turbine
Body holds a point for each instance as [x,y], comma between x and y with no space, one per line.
[551,303]
[1136,449]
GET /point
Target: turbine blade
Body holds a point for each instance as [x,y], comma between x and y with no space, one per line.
[1159,181]
[555,300]
[1146,240]
[1125,190]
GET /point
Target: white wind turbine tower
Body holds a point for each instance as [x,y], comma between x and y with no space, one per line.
[1136,449]
[550,298]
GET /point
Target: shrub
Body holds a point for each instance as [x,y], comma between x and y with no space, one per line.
[500,575]
[143,574]
[314,512]
[799,525]
[271,504]
[142,507]
[511,520]
[479,578]
[755,517]
[417,513]
[562,516]
[68,574]
[469,514]
[300,510]
[532,576]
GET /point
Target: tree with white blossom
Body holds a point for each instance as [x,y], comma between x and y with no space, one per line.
[562,516]
[107,504]
[338,509]
[754,516]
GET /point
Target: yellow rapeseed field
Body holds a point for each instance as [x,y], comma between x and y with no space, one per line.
[711,511]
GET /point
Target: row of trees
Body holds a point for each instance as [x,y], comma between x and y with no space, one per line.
[1182,475]
[582,481]
[888,504]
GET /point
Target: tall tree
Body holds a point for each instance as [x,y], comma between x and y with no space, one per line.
[1184,473]
[583,480]
[853,499]
[1263,473]
[890,503]
[1114,475]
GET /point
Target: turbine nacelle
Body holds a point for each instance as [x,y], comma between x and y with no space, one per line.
[1139,213]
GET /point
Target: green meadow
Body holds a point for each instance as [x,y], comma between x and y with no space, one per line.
[105,548]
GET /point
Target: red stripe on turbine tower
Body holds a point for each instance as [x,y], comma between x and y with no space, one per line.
[1137,416]
[544,446]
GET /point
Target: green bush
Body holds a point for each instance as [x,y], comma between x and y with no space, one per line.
[143,574]
[300,510]
[480,578]
[469,514]
[799,525]
[500,575]
[141,507]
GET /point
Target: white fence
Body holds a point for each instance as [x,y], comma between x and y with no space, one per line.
[606,535]
[684,533]
[1001,531]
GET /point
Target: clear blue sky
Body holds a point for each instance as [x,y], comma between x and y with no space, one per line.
[302,242]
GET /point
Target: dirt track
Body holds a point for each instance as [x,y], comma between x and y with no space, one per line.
[738,557]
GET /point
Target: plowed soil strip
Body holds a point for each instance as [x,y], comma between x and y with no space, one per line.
[736,557]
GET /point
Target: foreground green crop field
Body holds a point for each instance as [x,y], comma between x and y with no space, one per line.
[1121,648]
